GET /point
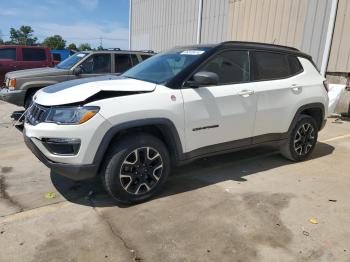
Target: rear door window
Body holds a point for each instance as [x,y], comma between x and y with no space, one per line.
[33,54]
[8,53]
[122,63]
[134,59]
[269,66]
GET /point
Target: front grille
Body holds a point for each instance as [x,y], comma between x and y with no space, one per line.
[6,82]
[36,114]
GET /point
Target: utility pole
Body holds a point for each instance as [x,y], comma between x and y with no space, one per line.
[199,21]
[329,36]
[130,22]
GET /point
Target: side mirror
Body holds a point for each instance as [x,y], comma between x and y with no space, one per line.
[78,70]
[204,78]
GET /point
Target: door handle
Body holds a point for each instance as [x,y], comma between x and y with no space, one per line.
[295,88]
[246,93]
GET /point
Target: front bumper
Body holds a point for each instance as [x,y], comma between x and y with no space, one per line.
[72,171]
[15,97]
[76,166]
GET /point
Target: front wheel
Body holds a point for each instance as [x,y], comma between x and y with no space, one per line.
[302,139]
[136,168]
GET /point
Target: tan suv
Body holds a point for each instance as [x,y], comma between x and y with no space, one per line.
[20,86]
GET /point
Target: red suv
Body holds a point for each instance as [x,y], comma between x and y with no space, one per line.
[17,57]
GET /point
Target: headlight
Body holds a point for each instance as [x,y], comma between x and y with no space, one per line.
[11,83]
[71,115]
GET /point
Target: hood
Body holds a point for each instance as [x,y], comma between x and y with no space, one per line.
[81,90]
[37,72]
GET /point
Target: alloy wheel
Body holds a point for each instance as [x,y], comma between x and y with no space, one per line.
[141,170]
[304,139]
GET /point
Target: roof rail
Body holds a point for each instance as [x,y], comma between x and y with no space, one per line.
[258,43]
[113,49]
[147,51]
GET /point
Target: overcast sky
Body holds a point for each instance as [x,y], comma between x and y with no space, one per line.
[78,21]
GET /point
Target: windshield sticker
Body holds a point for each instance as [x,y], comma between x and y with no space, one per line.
[81,55]
[192,52]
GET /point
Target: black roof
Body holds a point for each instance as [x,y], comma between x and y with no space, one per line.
[146,52]
[265,47]
[258,45]
[253,46]
[212,49]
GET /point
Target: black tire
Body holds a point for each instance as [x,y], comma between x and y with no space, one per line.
[299,150]
[127,189]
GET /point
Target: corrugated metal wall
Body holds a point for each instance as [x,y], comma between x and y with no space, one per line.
[339,60]
[298,23]
[269,21]
[161,24]
[174,22]
[214,21]
[315,29]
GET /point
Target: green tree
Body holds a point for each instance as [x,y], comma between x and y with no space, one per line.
[55,42]
[22,36]
[84,47]
[100,48]
[72,46]
[1,41]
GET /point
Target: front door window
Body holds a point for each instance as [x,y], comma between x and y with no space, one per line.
[97,64]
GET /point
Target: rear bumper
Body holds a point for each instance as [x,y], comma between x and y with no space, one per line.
[74,172]
[15,97]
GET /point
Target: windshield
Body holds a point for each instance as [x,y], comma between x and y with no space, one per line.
[71,61]
[163,67]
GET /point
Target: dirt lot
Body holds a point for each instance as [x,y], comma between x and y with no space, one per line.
[245,206]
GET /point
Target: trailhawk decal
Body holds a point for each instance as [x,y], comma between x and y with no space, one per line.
[205,127]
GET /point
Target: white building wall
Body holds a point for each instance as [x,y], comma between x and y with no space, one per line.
[174,22]
[214,21]
[162,24]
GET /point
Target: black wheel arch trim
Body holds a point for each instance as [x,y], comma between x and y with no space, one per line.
[170,133]
[305,107]
[164,125]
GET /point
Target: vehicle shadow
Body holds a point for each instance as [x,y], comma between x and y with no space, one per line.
[201,173]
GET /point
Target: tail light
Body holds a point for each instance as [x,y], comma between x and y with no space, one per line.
[325,84]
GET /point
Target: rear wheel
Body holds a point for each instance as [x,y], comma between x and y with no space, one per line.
[302,139]
[136,168]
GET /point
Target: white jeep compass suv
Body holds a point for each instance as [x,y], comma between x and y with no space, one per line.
[177,106]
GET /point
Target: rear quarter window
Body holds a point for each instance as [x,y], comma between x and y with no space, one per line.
[33,54]
[144,57]
[8,53]
[269,66]
[294,65]
[134,59]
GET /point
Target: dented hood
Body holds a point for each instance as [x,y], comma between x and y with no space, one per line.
[80,90]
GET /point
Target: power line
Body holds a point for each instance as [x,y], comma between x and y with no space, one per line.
[81,38]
